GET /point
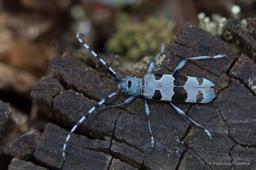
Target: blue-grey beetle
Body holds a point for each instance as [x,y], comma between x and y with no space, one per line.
[165,87]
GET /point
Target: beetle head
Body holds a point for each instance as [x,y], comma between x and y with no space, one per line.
[131,85]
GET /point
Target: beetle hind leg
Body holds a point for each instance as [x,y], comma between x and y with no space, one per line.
[147,112]
[182,113]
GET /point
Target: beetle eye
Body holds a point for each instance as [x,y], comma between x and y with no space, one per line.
[129,84]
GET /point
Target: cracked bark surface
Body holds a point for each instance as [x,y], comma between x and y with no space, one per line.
[17,164]
[117,138]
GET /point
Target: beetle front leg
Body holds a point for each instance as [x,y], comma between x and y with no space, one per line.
[151,65]
[128,101]
[182,113]
[146,109]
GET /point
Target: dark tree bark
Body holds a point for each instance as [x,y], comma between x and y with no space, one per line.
[117,138]
[17,164]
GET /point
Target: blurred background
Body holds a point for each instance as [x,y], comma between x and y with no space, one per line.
[33,32]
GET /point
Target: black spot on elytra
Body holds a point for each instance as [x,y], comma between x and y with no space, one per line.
[157,95]
[180,94]
[200,80]
[129,84]
[199,96]
[158,76]
[180,80]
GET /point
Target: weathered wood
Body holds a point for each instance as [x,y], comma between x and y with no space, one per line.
[238,33]
[117,164]
[17,164]
[24,146]
[194,42]
[115,138]
[245,70]
[83,153]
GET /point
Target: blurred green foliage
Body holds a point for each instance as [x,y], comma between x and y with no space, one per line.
[135,39]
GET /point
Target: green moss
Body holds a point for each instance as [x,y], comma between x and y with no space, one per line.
[135,39]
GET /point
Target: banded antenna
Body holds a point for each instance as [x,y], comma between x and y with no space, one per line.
[82,119]
[80,39]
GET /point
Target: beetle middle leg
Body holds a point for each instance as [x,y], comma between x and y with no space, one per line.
[183,62]
[182,113]
[146,109]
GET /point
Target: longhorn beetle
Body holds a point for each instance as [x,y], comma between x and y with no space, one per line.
[166,87]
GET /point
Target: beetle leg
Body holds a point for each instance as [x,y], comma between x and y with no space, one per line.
[147,112]
[151,65]
[182,113]
[126,102]
[183,62]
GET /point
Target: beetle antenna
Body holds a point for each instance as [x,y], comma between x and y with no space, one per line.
[82,119]
[103,62]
